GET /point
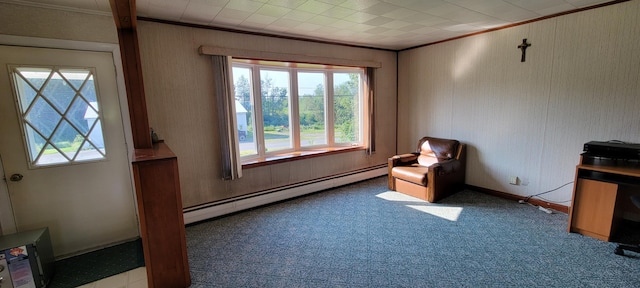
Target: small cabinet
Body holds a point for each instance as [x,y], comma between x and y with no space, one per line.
[601,196]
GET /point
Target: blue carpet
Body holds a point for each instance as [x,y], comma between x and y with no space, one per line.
[363,235]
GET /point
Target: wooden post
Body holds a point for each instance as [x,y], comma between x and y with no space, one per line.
[155,169]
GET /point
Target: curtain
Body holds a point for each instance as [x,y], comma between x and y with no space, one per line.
[225,100]
[371,125]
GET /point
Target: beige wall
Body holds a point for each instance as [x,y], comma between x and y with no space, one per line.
[180,101]
[580,82]
[56,24]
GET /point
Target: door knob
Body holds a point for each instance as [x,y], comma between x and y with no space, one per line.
[16,177]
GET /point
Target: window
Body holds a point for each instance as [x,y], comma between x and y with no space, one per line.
[59,114]
[299,107]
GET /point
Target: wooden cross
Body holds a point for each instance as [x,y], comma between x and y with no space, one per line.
[523,47]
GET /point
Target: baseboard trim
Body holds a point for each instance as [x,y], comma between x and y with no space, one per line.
[228,206]
[538,202]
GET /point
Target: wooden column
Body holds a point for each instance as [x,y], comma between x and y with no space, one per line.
[155,169]
[124,13]
[162,224]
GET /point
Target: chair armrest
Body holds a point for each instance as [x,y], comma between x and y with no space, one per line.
[399,160]
[447,167]
[403,159]
[446,178]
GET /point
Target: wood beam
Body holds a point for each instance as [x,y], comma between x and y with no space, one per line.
[124,14]
[155,170]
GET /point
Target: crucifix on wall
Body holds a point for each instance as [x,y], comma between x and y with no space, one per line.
[524,47]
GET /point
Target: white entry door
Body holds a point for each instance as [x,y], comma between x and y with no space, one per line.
[63,148]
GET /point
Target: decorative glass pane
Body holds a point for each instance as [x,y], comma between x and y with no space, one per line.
[82,116]
[274,87]
[50,156]
[58,92]
[27,92]
[75,77]
[89,152]
[43,117]
[311,98]
[88,92]
[96,136]
[37,76]
[61,115]
[36,142]
[67,139]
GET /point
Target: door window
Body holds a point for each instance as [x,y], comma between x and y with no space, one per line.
[59,113]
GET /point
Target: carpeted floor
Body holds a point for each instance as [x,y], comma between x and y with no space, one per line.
[363,235]
[96,265]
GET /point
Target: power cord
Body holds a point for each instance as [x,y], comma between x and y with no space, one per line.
[526,199]
[544,209]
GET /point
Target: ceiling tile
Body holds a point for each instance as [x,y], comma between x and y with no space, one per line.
[299,15]
[291,4]
[315,7]
[321,20]
[285,23]
[244,5]
[396,24]
[584,3]
[555,9]
[377,30]
[361,17]
[259,19]
[333,2]
[378,21]
[381,9]
[359,5]
[391,24]
[400,13]
[338,12]
[231,16]
[306,26]
[200,13]
[273,11]
[341,24]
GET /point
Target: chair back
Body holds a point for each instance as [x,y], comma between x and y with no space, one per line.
[433,150]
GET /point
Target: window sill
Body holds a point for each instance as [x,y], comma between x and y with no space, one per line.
[298,155]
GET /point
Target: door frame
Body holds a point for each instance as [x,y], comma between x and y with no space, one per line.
[114,49]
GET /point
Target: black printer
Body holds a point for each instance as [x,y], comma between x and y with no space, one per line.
[612,149]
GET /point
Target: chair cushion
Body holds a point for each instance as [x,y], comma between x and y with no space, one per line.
[415,173]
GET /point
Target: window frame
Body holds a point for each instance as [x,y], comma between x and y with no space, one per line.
[37,157]
[296,149]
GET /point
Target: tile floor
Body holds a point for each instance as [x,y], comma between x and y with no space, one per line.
[136,278]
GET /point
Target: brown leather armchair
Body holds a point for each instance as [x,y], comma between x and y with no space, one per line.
[435,171]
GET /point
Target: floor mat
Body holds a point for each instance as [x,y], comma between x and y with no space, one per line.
[96,265]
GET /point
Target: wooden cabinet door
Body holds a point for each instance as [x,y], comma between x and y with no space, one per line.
[593,209]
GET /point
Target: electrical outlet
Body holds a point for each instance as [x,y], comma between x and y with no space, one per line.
[513,180]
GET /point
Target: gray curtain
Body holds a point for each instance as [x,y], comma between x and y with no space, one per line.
[370,84]
[225,102]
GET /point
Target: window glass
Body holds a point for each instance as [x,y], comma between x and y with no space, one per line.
[60,115]
[311,99]
[274,89]
[290,107]
[244,110]
[347,107]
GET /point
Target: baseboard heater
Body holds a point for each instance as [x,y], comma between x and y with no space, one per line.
[220,208]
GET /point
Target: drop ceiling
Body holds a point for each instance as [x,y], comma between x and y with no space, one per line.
[384,24]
